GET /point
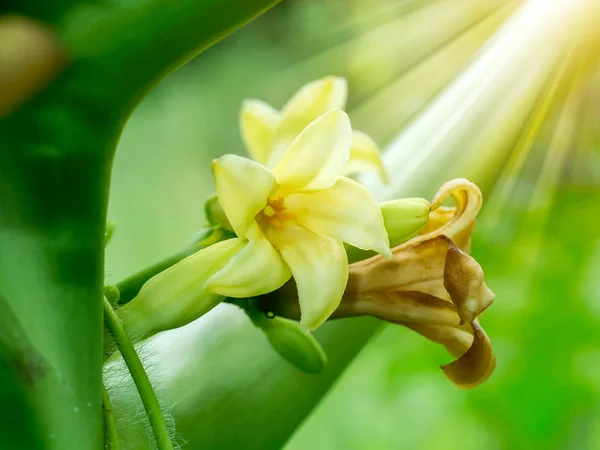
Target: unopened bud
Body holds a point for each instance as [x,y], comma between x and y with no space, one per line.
[293,343]
[176,297]
[404,218]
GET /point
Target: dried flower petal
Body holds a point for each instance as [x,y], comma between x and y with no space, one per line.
[476,365]
[463,279]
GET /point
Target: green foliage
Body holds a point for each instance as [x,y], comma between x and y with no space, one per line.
[55,165]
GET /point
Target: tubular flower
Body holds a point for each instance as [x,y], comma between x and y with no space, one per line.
[430,284]
[267,133]
[294,218]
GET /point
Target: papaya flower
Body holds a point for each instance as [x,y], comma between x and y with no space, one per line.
[291,220]
[295,219]
[430,284]
[267,133]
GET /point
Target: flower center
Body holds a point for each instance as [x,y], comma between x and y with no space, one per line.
[275,213]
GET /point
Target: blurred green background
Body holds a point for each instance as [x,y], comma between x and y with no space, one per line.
[539,242]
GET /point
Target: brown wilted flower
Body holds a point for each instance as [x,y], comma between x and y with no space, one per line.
[430,284]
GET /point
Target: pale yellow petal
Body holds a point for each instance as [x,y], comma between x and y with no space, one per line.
[243,187]
[365,156]
[258,125]
[346,212]
[256,270]
[318,156]
[320,268]
[311,101]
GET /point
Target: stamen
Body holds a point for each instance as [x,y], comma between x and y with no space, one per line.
[275,213]
[269,211]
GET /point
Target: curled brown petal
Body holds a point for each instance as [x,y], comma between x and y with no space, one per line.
[476,365]
[476,361]
[456,222]
[434,265]
[440,217]
[468,199]
[463,279]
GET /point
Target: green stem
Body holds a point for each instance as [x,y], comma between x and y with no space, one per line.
[140,378]
[111,431]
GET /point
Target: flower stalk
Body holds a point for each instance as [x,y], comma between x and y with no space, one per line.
[139,376]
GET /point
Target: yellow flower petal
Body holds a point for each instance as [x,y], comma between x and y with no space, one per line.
[258,269]
[318,156]
[365,156]
[346,212]
[258,124]
[243,187]
[312,101]
[320,268]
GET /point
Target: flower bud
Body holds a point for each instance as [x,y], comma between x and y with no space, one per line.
[293,343]
[404,218]
[176,297]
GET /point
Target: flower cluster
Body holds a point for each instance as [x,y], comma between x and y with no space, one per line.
[306,237]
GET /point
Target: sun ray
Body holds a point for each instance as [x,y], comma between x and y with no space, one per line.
[377,57]
[561,144]
[513,168]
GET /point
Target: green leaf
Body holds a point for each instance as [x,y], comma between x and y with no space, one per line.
[55,162]
[20,368]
